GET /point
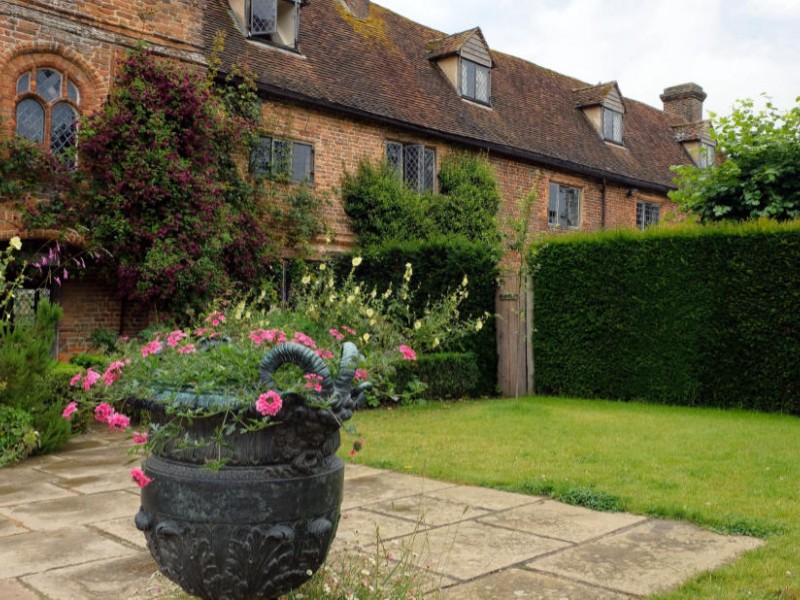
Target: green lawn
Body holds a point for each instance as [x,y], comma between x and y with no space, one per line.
[733,471]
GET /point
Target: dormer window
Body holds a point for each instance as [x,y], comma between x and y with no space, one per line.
[612,125]
[475,81]
[466,61]
[275,21]
[706,156]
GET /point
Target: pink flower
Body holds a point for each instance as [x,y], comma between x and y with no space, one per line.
[349,330]
[313,381]
[259,336]
[153,347]
[215,318]
[339,337]
[408,353]
[139,437]
[67,412]
[90,379]
[187,349]
[324,354]
[103,412]
[118,422]
[139,477]
[302,338]
[174,338]
[201,331]
[361,375]
[269,403]
[113,372]
[75,379]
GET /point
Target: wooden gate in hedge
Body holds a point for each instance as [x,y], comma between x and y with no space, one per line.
[514,308]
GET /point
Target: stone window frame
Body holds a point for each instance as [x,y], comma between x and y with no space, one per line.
[558,209]
[70,94]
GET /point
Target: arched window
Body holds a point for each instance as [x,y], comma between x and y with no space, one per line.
[47,109]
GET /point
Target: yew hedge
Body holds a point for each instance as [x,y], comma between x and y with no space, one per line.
[682,315]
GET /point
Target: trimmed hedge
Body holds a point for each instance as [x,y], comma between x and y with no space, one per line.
[439,267]
[684,315]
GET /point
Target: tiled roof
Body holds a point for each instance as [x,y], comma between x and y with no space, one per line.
[451,44]
[590,96]
[378,68]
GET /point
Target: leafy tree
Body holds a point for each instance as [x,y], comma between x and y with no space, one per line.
[760,173]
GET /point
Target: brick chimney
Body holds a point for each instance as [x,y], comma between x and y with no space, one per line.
[685,100]
[358,8]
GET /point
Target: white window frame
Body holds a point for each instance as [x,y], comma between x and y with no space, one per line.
[564,206]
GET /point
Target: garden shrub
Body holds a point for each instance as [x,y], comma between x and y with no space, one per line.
[440,265]
[688,315]
[446,375]
[18,438]
[382,208]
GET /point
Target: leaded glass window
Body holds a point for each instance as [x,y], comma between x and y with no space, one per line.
[62,128]
[565,206]
[283,159]
[475,81]
[414,163]
[612,125]
[30,120]
[273,21]
[263,17]
[647,214]
[46,110]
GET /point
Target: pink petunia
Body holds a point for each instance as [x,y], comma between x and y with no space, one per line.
[215,318]
[361,375]
[336,334]
[139,437]
[324,354]
[187,349]
[113,372]
[408,353]
[139,477]
[90,379]
[349,330]
[103,412]
[67,412]
[75,379]
[269,403]
[118,422]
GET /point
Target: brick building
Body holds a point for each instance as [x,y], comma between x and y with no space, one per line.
[347,79]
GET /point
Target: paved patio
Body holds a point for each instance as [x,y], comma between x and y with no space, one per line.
[66,532]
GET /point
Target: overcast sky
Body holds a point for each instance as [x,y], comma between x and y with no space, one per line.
[733,48]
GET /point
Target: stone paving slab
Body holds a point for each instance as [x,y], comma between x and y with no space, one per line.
[360,527]
[126,578]
[9,527]
[427,510]
[520,584]
[650,557]
[380,486]
[11,589]
[483,498]
[74,510]
[561,521]
[122,528]
[28,553]
[471,549]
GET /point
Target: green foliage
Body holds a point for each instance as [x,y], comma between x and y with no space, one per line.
[382,208]
[446,375]
[469,198]
[692,315]
[86,360]
[25,168]
[441,265]
[590,498]
[18,438]
[760,176]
